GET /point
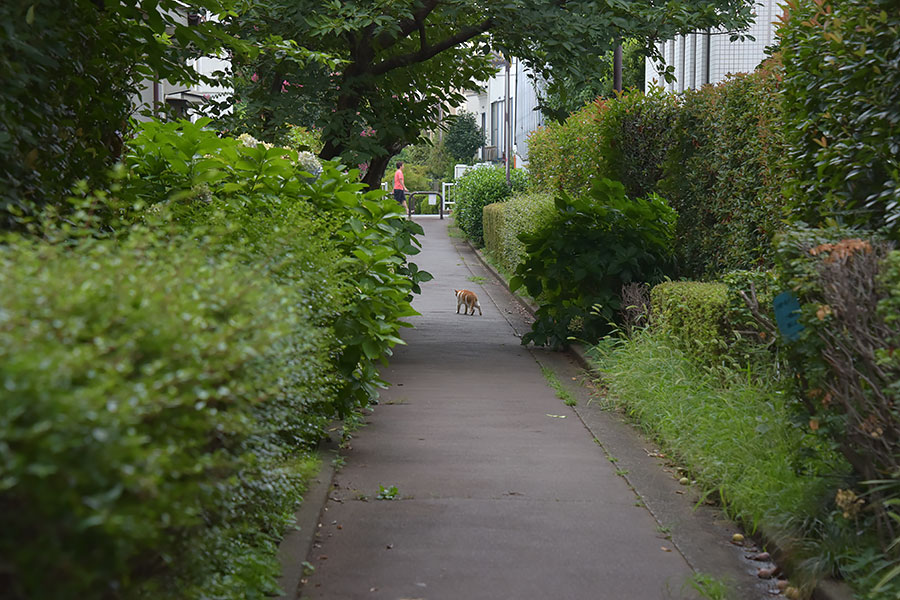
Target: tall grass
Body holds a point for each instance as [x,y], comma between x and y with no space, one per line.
[734,432]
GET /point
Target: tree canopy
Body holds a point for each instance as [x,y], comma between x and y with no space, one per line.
[464,137]
[399,64]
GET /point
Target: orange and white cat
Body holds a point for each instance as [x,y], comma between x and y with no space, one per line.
[468,300]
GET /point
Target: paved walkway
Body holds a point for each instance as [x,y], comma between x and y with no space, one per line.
[502,492]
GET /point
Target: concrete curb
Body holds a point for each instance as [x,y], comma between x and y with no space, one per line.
[825,590]
[297,545]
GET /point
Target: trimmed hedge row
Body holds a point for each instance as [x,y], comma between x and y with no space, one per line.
[478,188]
[693,314]
[504,222]
[842,111]
[717,155]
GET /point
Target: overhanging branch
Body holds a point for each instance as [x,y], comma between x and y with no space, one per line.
[425,51]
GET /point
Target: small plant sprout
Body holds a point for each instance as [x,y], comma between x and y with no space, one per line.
[387,493]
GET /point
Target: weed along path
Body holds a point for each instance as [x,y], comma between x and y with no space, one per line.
[473,480]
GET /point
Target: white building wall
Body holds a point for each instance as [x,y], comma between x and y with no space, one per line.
[489,107]
[688,53]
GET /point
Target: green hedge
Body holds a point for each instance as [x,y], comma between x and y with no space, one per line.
[566,157]
[150,418]
[717,156]
[842,111]
[725,172]
[478,188]
[694,315]
[167,365]
[522,214]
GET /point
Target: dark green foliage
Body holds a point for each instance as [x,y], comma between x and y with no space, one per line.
[724,175]
[464,137]
[693,315]
[404,63]
[578,262]
[566,95]
[635,134]
[842,110]
[478,188]
[152,414]
[69,71]
[166,372]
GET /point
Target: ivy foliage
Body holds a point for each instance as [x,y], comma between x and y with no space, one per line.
[579,261]
[842,110]
[478,188]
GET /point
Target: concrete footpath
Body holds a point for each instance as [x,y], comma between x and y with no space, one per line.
[503,492]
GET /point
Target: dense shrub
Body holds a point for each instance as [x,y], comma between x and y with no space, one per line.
[578,262]
[164,379]
[848,291]
[504,222]
[635,132]
[150,417]
[842,110]
[693,315]
[724,174]
[174,160]
[478,188]
[566,157]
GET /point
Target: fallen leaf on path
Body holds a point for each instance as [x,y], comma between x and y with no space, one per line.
[664,549]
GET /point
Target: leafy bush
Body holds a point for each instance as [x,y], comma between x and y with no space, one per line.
[850,377]
[635,133]
[693,315]
[478,188]
[172,160]
[567,157]
[154,400]
[724,175]
[578,261]
[504,222]
[842,110]
[181,363]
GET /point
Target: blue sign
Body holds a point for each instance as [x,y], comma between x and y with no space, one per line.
[787,315]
